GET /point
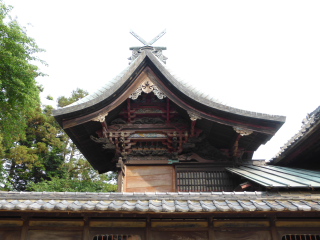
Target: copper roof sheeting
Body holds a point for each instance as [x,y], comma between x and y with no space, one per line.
[161,202]
[279,177]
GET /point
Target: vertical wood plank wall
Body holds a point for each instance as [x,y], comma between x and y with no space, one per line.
[149,179]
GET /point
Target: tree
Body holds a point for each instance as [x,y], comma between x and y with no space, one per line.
[33,147]
[37,156]
[67,184]
[47,160]
[19,92]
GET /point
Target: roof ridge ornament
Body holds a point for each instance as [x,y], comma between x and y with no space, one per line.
[157,51]
[152,41]
[147,87]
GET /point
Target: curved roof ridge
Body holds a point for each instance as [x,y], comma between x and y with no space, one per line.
[188,84]
[190,90]
[307,123]
[183,85]
[99,95]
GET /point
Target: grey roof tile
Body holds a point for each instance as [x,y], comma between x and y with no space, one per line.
[308,123]
[163,202]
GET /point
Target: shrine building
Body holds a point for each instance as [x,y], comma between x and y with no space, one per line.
[184,164]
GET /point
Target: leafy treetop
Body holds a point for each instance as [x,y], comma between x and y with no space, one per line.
[19,92]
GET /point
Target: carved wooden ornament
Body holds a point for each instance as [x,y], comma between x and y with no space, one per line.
[194,115]
[147,87]
[100,118]
[243,131]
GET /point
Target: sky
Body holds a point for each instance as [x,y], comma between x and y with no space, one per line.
[261,56]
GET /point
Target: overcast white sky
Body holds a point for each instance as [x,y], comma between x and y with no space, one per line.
[256,55]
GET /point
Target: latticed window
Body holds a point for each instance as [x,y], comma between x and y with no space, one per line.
[117,237]
[301,237]
[204,181]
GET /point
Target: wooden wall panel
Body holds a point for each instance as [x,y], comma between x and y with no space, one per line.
[179,235]
[11,223]
[10,235]
[57,223]
[134,171]
[54,235]
[149,179]
[242,235]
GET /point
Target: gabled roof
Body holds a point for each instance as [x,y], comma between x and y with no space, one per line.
[301,143]
[107,102]
[127,75]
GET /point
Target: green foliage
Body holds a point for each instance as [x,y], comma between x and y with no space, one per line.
[47,160]
[67,184]
[35,153]
[19,93]
[49,97]
[38,155]
[75,96]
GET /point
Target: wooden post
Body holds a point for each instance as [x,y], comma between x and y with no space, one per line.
[148,228]
[274,233]
[193,123]
[24,231]
[234,145]
[104,129]
[85,234]
[210,229]
[119,181]
[128,109]
[168,110]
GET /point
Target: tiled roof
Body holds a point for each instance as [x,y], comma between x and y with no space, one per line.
[308,123]
[110,87]
[195,93]
[161,202]
[279,177]
[103,92]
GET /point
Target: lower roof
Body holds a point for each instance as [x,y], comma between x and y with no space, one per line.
[160,202]
[278,177]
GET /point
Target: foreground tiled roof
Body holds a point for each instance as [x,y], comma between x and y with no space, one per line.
[278,177]
[308,123]
[161,202]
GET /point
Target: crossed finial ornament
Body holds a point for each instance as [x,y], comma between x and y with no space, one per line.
[157,51]
[144,42]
